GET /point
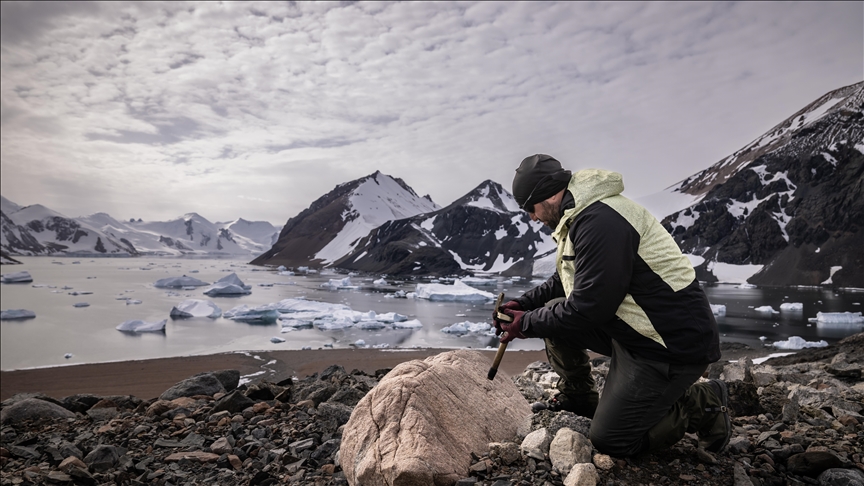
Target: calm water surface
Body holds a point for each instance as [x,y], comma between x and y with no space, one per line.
[88,333]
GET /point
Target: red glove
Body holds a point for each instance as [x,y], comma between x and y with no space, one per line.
[496,322]
[513,329]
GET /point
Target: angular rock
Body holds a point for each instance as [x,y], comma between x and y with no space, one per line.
[538,440]
[33,409]
[71,462]
[582,475]
[103,457]
[423,420]
[813,461]
[196,456]
[200,384]
[221,446]
[841,477]
[233,402]
[569,448]
[507,452]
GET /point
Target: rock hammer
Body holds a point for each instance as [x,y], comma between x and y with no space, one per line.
[503,346]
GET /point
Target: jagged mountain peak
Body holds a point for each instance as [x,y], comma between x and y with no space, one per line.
[800,132]
[489,195]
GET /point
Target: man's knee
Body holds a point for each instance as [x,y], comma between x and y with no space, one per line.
[616,443]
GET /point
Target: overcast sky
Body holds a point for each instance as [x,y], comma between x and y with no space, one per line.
[255,110]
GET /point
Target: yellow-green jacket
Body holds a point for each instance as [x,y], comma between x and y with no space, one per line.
[622,274]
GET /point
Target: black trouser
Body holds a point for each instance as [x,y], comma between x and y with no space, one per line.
[645,405]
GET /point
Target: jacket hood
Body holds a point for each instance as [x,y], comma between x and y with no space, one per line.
[591,185]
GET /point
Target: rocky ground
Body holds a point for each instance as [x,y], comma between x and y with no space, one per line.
[797,420]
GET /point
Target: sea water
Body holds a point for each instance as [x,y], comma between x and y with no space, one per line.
[88,334]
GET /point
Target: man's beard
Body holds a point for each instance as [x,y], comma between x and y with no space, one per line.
[554,212]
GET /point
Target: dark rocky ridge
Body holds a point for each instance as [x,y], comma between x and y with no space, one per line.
[795,422]
[810,211]
[425,244]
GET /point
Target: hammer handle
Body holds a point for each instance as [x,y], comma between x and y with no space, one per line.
[501,347]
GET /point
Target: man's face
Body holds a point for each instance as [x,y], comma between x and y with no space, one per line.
[547,212]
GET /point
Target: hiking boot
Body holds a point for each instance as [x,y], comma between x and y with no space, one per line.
[584,405]
[717,436]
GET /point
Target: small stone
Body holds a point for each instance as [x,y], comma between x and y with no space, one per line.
[71,462]
[221,446]
[235,461]
[582,475]
[603,462]
[196,456]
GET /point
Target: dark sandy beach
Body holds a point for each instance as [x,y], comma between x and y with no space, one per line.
[149,378]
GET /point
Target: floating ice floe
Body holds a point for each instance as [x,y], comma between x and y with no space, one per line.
[178,282]
[196,308]
[80,292]
[138,325]
[132,301]
[458,292]
[840,317]
[261,314]
[11,314]
[718,310]
[302,313]
[796,342]
[479,281]
[276,340]
[745,286]
[766,309]
[286,273]
[360,343]
[16,277]
[67,355]
[792,306]
[81,304]
[380,281]
[399,294]
[281,268]
[227,286]
[339,283]
[467,327]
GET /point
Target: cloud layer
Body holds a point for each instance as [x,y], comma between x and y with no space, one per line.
[240,109]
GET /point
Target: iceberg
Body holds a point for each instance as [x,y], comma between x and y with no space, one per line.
[16,277]
[226,289]
[233,279]
[11,314]
[840,317]
[766,309]
[478,281]
[718,310]
[792,306]
[294,324]
[138,325]
[178,282]
[287,273]
[81,304]
[288,306]
[339,283]
[412,324]
[796,342]
[276,340]
[380,281]
[132,301]
[261,314]
[458,292]
[195,308]
[467,327]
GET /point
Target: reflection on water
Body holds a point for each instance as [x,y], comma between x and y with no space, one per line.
[88,332]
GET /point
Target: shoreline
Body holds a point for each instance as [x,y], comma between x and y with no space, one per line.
[148,378]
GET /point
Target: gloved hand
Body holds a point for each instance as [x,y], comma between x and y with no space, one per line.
[496,322]
[513,329]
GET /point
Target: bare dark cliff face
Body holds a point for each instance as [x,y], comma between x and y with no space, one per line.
[798,209]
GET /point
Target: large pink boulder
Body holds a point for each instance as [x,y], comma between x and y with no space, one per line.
[423,420]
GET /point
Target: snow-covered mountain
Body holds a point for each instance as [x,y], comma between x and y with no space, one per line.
[483,231]
[190,234]
[37,230]
[790,203]
[335,223]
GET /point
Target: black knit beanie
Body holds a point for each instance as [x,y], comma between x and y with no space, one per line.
[538,178]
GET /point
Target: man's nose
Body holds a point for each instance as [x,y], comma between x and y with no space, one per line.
[533,216]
